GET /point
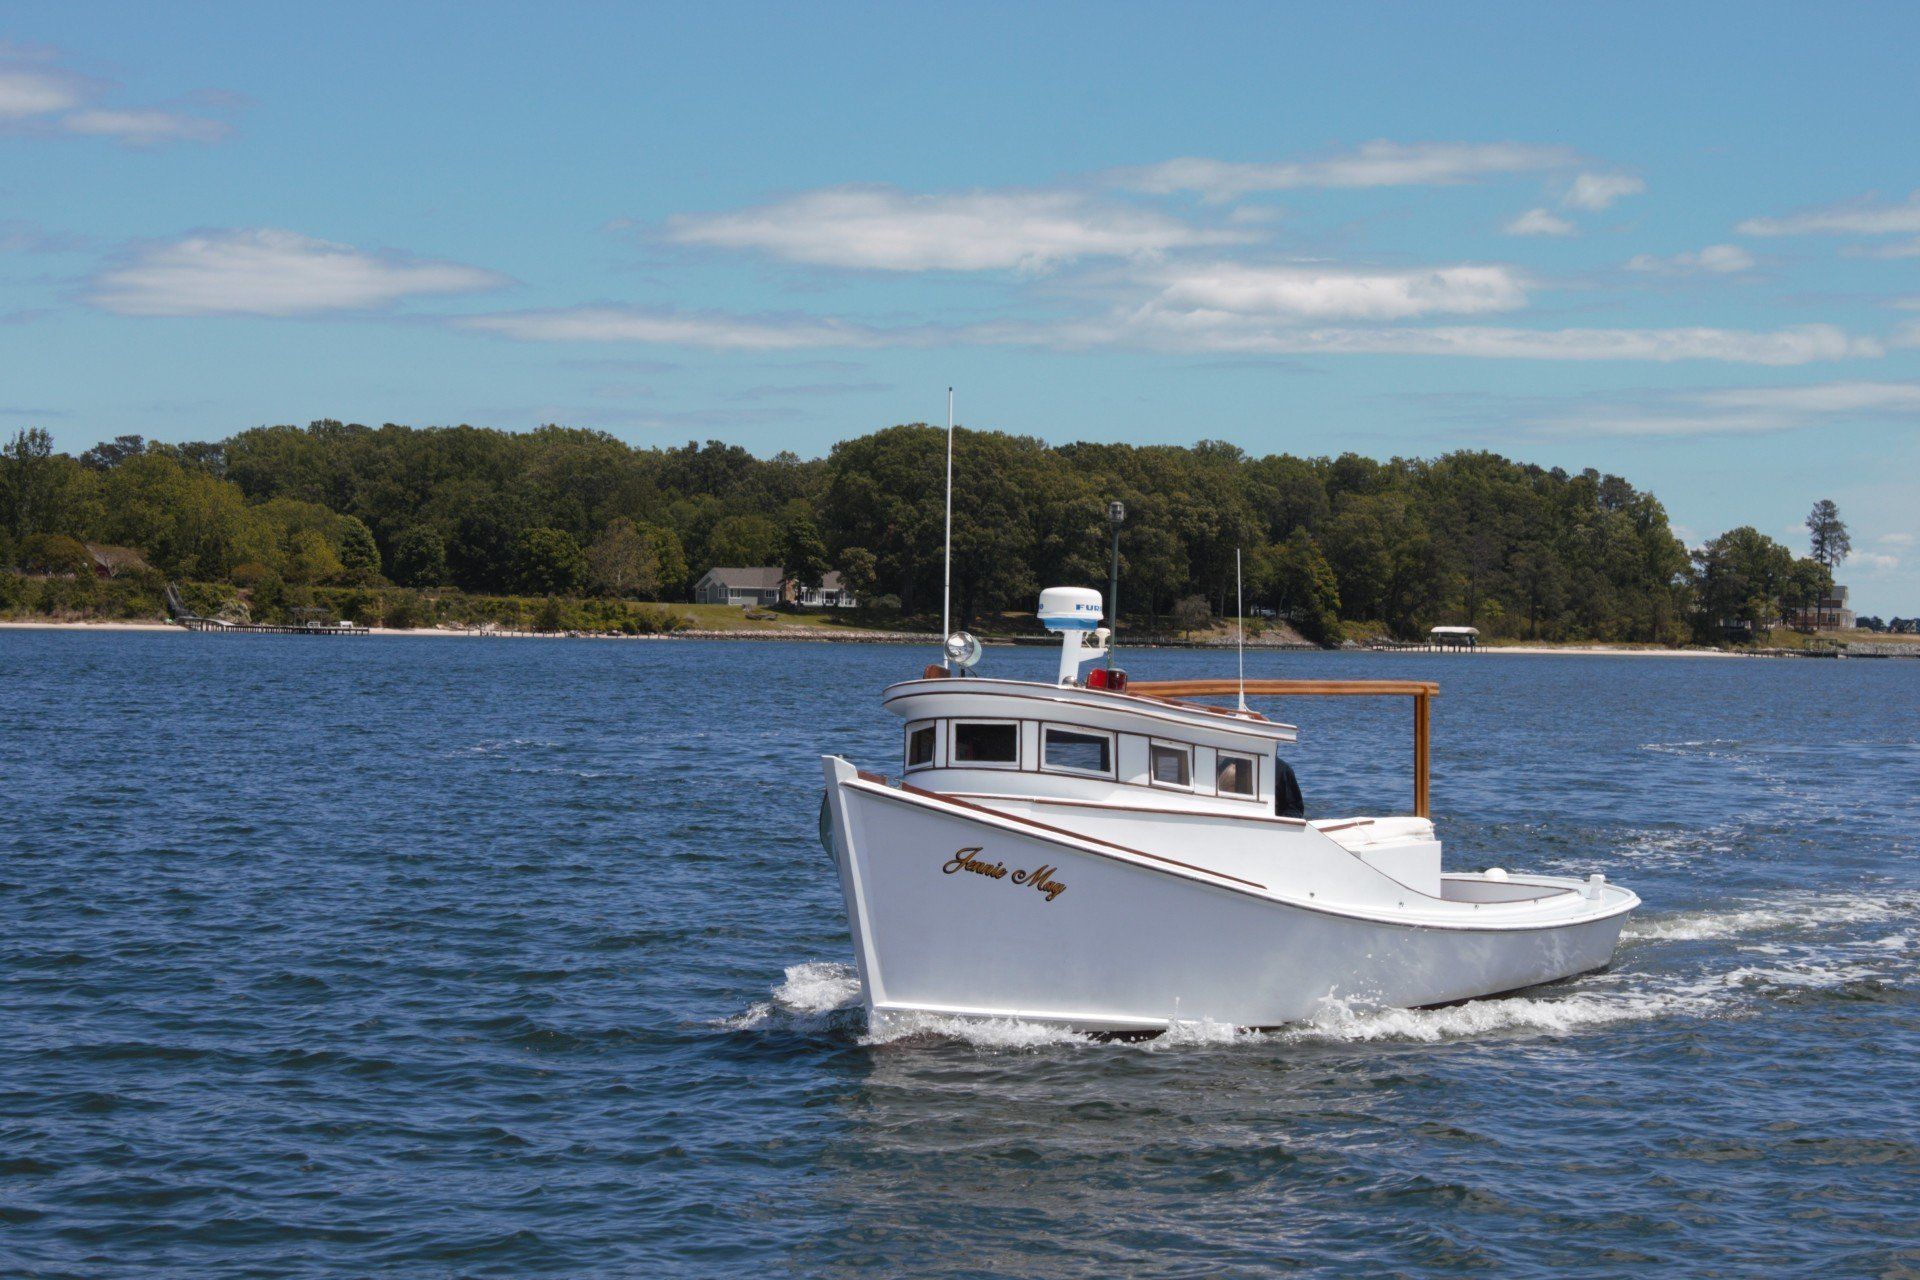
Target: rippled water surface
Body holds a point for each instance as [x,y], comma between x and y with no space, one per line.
[513,958]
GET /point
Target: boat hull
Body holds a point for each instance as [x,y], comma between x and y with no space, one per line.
[957,911]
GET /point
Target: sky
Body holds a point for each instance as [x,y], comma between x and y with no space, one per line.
[1677,243]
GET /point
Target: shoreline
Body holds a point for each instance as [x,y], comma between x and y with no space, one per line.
[819,635]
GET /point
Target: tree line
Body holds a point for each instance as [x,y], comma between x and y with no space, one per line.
[1469,537]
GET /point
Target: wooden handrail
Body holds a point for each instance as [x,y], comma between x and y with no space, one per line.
[1285,688]
[1423,692]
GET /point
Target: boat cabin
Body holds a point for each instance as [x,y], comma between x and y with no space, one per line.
[973,735]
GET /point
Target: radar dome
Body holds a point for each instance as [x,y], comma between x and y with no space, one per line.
[1070,609]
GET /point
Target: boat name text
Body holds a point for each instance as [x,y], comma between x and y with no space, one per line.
[1039,879]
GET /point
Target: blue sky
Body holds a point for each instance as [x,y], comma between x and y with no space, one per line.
[1681,243]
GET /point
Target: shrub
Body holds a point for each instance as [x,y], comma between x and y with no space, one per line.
[402,612]
[248,574]
[54,553]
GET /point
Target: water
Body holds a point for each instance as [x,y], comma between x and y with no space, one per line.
[505,958]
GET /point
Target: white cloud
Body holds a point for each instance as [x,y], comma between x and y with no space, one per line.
[25,93]
[710,330]
[1373,164]
[144,127]
[1749,410]
[1824,398]
[35,94]
[1896,539]
[883,229]
[1715,259]
[1860,218]
[1165,328]
[1875,562]
[1324,293]
[1902,249]
[1799,345]
[1596,191]
[265,272]
[1539,222]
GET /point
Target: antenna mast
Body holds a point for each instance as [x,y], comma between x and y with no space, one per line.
[946,590]
[1240,625]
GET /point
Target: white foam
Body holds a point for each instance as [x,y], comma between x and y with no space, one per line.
[809,994]
[1811,911]
[1345,1021]
[1185,1033]
[818,986]
[1812,972]
[982,1033]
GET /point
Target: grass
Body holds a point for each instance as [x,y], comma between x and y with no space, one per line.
[727,617]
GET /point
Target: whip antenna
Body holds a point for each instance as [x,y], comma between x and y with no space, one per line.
[1240,625]
[946,590]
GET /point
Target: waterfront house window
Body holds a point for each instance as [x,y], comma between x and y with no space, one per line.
[1169,765]
[1234,776]
[1078,751]
[920,747]
[986,742]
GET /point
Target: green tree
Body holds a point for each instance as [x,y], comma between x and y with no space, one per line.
[109,454]
[359,553]
[550,562]
[859,573]
[803,557]
[1191,614]
[744,542]
[420,557]
[1831,544]
[671,559]
[1741,576]
[622,562]
[54,553]
[311,559]
[1307,590]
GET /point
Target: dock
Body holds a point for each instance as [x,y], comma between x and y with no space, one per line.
[264,629]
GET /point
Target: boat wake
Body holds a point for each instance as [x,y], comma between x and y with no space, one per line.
[1805,914]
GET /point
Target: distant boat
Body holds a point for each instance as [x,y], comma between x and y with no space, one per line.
[1111,858]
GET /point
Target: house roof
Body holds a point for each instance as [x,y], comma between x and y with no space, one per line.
[115,557]
[764,578]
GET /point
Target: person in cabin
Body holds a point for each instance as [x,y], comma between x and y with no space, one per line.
[1287,800]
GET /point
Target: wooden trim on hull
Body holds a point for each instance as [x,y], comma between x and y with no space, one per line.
[901,793]
[1266,819]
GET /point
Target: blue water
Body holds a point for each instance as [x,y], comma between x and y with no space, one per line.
[513,958]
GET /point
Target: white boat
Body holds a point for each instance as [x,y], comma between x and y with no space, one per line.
[1110,858]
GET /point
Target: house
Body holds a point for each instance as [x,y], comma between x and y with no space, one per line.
[1828,613]
[111,562]
[767,585]
[830,594]
[748,587]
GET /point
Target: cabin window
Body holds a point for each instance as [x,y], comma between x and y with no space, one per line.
[980,742]
[920,747]
[1169,765]
[1078,751]
[1234,775]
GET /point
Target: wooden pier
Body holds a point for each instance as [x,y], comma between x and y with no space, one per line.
[263,629]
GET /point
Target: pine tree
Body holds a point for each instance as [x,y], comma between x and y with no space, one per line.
[1831,544]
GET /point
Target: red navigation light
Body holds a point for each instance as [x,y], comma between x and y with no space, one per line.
[1097,678]
[1113,680]
[1117,680]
